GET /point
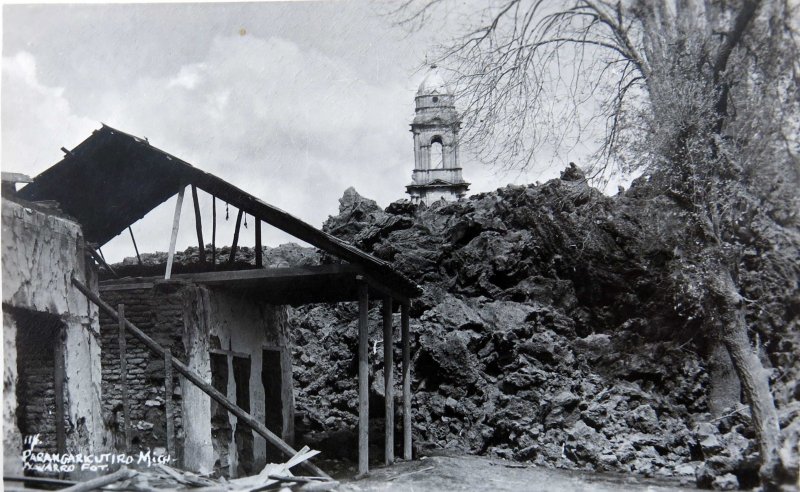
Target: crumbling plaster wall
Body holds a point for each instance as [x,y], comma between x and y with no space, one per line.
[198,453]
[244,324]
[186,316]
[41,252]
[12,441]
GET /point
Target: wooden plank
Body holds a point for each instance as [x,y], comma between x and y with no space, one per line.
[235,243]
[16,177]
[99,259]
[238,275]
[229,352]
[135,248]
[363,379]
[198,225]
[214,231]
[264,273]
[38,481]
[331,283]
[168,402]
[123,376]
[176,219]
[95,483]
[378,284]
[59,376]
[300,229]
[126,286]
[388,380]
[404,322]
[293,285]
[259,253]
[198,381]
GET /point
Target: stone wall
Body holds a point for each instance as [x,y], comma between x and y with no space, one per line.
[159,313]
[41,252]
[36,392]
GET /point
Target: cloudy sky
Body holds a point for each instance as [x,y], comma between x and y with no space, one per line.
[292,101]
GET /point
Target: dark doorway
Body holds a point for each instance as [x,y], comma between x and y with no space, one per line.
[220,422]
[243,435]
[40,384]
[273,401]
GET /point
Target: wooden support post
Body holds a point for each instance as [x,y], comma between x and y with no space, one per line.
[363,378]
[99,259]
[196,379]
[135,248]
[123,376]
[406,382]
[168,402]
[388,380]
[176,219]
[236,236]
[59,376]
[198,225]
[214,231]
[259,253]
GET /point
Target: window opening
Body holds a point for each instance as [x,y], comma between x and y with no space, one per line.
[221,431]
[437,153]
[243,435]
[273,401]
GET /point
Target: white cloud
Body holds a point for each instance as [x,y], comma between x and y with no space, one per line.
[293,127]
[187,77]
[36,120]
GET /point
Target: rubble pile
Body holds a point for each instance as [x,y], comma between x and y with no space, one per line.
[551,330]
[188,261]
[548,332]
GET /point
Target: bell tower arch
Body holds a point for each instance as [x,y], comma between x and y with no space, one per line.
[437,171]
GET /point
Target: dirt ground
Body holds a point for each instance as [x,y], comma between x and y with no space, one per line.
[451,473]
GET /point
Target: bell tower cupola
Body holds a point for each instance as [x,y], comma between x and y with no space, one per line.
[437,172]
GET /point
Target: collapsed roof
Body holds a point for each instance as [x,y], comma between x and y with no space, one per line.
[113,179]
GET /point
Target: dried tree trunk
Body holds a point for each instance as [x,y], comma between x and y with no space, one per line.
[754,380]
[724,390]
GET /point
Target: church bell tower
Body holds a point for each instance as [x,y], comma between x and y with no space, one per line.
[437,173]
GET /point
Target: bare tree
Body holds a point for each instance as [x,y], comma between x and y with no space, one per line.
[699,95]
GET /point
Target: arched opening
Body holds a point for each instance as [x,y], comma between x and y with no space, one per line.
[437,153]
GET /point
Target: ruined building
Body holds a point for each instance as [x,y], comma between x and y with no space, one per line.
[437,172]
[191,362]
[51,344]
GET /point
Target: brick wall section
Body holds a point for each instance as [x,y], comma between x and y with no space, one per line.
[36,344]
[36,394]
[158,312]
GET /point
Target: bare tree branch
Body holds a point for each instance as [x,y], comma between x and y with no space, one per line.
[698,94]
